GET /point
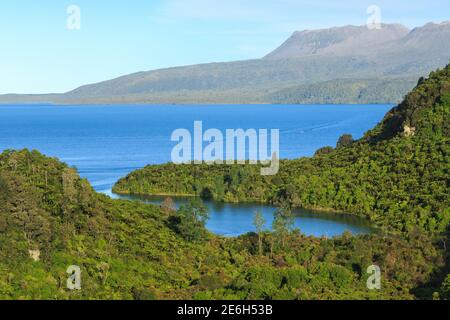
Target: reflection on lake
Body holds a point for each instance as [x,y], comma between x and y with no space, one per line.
[231,219]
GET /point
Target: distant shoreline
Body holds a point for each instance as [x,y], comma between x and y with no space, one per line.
[183,104]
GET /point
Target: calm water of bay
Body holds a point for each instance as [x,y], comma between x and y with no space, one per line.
[105,143]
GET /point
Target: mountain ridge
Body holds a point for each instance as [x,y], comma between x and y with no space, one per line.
[322,41]
[326,55]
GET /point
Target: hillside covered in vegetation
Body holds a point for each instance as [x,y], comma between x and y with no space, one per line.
[397,175]
[51,219]
[346,91]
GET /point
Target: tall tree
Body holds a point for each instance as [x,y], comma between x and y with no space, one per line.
[168,206]
[259,223]
[283,222]
[191,220]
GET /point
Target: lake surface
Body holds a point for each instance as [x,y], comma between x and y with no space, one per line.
[105,143]
[228,219]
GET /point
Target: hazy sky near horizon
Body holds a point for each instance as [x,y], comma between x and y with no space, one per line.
[39,54]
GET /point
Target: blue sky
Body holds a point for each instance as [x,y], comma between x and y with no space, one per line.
[39,54]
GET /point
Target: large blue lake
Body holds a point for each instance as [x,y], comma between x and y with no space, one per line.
[107,142]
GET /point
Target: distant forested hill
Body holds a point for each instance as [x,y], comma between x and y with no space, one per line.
[346,91]
[312,66]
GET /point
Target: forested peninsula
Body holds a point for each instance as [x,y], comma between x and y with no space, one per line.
[397,174]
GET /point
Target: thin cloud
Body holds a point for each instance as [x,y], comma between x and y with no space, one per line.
[250,10]
[256,16]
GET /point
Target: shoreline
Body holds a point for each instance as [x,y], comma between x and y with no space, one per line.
[316,209]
